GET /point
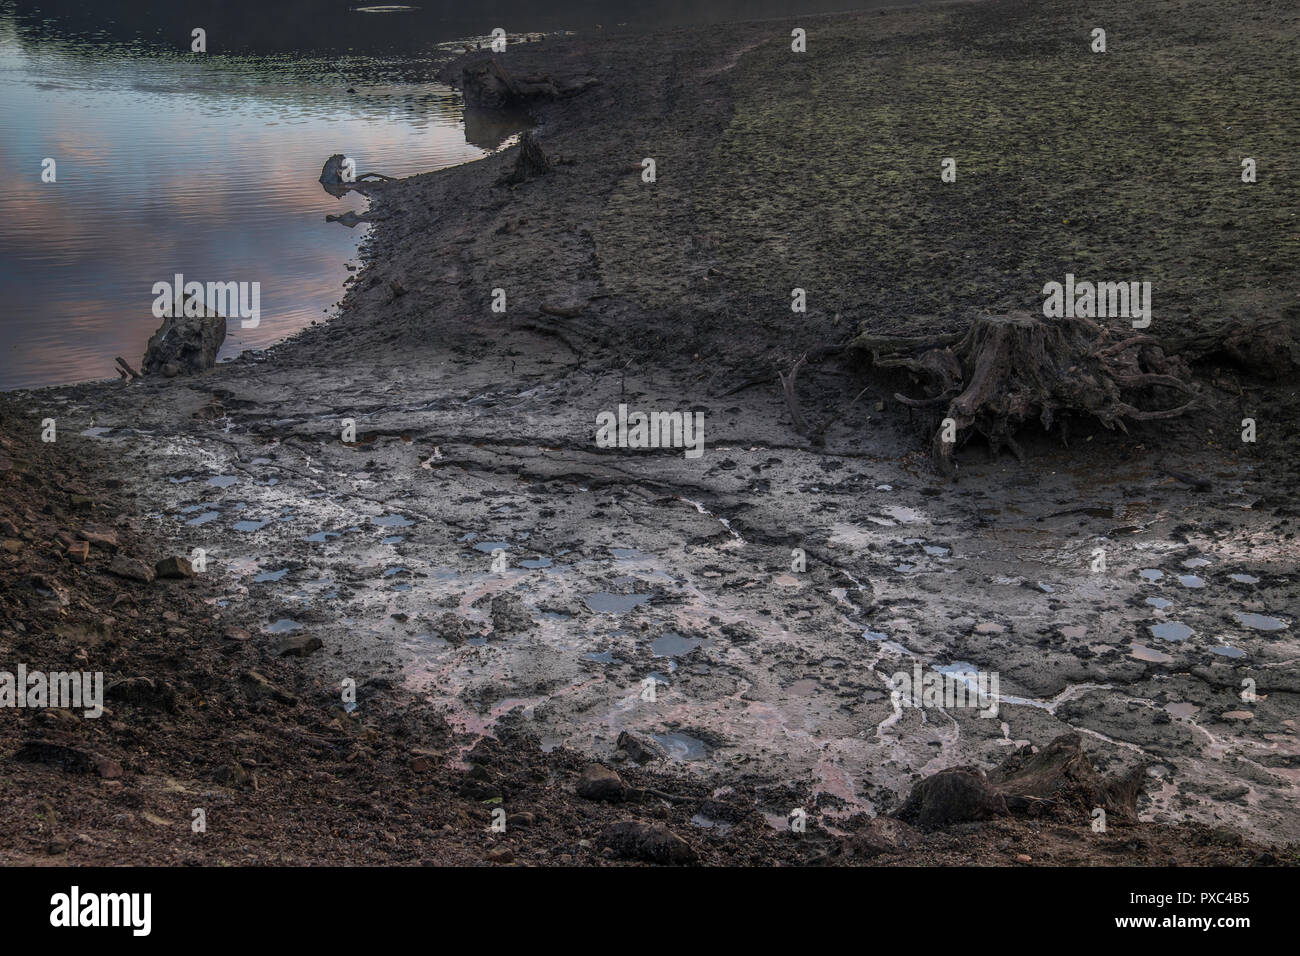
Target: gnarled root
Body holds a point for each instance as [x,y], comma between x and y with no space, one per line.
[1009,369]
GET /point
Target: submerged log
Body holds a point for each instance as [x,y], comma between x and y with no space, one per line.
[1008,370]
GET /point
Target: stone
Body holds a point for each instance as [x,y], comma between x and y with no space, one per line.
[174,567]
[601,783]
[955,795]
[649,842]
[68,756]
[79,552]
[105,540]
[639,748]
[299,645]
[131,569]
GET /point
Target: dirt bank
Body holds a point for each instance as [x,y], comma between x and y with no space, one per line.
[482,686]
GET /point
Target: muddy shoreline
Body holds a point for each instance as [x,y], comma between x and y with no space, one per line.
[482,687]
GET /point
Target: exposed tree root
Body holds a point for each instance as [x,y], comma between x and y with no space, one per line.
[1009,369]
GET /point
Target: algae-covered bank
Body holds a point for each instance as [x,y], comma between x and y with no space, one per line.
[445,572]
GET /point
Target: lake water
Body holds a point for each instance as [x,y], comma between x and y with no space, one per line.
[168,161]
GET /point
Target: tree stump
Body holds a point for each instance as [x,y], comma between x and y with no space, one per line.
[530,162]
[1007,370]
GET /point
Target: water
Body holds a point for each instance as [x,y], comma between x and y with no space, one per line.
[206,164]
[1171,631]
[170,162]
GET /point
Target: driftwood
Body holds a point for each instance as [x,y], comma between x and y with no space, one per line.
[1007,370]
[126,370]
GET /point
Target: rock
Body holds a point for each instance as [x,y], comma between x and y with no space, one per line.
[521,819]
[231,775]
[421,763]
[639,748]
[299,645]
[104,540]
[131,569]
[238,634]
[1024,858]
[955,795]
[50,589]
[331,173]
[601,783]
[143,691]
[187,343]
[650,842]
[79,552]
[174,567]
[257,687]
[68,756]
[12,545]
[501,855]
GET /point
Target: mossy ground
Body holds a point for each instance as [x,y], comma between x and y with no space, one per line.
[1123,165]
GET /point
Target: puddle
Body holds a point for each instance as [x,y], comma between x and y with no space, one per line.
[397,569]
[672,644]
[1191,581]
[627,554]
[1196,562]
[251,525]
[1150,655]
[392,521]
[284,625]
[683,746]
[607,602]
[600,657]
[1152,574]
[393,539]
[708,823]
[1170,631]
[1159,603]
[1226,651]
[541,562]
[490,546]
[937,550]
[1244,578]
[223,481]
[1258,622]
[322,536]
[203,518]
[270,576]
